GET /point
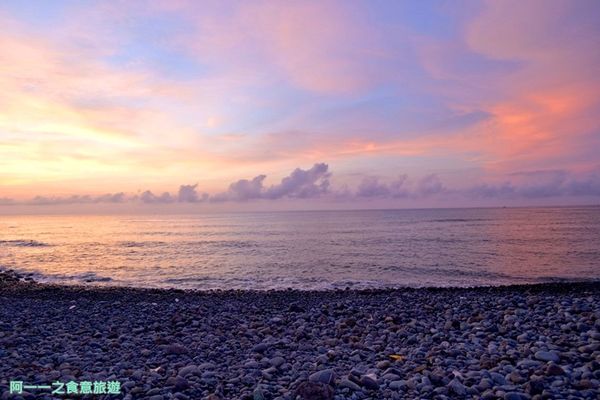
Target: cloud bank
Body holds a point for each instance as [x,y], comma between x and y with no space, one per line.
[315,182]
[79,199]
[547,184]
[300,184]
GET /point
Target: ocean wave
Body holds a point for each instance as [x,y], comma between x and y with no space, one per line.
[129,243]
[23,243]
[221,243]
[459,220]
[83,277]
[91,277]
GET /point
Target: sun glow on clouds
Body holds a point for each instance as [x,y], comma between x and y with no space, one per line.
[96,99]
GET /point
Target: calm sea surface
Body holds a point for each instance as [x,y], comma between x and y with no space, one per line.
[308,250]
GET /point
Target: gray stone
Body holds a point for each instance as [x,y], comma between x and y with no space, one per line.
[391,377]
[176,349]
[547,356]
[345,383]
[326,376]
[206,365]
[260,348]
[188,370]
[456,387]
[398,385]
[554,370]
[515,396]
[277,361]
[179,383]
[498,378]
[369,381]
[308,390]
[258,394]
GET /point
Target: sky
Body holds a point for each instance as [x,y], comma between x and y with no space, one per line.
[201,105]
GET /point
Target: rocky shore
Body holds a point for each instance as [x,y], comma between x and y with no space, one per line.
[518,342]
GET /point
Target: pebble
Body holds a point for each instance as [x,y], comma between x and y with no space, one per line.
[554,370]
[277,361]
[314,391]
[179,383]
[515,396]
[369,381]
[176,349]
[547,356]
[456,387]
[345,383]
[188,370]
[260,348]
[258,394]
[532,342]
[398,385]
[326,376]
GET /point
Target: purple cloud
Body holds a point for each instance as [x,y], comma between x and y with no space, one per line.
[371,187]
[75,199]
[188,194]
[242,190]
[430,185]
[540,184]
[314,182]
[588,186]
[302,183]
[151,198]
[5,201]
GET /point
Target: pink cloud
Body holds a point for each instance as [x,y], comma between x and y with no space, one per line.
[326,47]
[537,80]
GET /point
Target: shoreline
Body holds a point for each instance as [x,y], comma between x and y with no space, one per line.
[536,341]
[30,284]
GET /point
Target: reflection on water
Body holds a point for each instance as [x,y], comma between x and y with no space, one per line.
[309,250]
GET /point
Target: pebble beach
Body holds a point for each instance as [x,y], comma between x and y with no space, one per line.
[512,342]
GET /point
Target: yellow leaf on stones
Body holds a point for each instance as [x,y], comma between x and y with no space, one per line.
[397,357]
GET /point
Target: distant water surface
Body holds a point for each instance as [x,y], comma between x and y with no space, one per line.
[308,250]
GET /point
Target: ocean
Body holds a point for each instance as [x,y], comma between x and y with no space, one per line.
[308,249]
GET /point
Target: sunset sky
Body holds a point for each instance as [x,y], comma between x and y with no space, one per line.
[292,104]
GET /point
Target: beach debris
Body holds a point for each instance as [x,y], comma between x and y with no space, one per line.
[397,357]
[457,374]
